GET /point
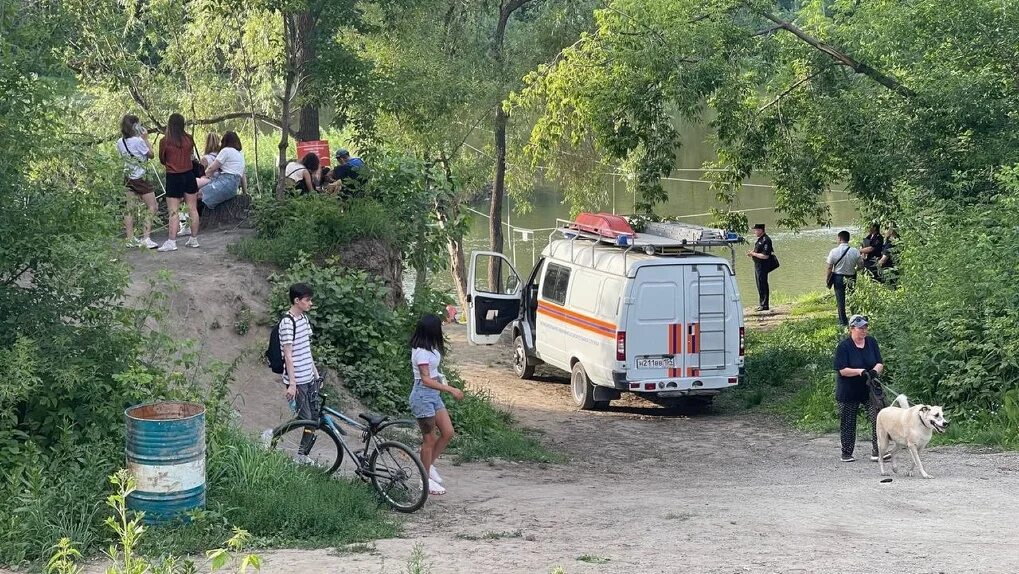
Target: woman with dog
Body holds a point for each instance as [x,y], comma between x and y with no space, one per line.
[858,363]
[426,403]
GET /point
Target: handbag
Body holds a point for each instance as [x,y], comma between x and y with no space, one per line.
[830,280]
[773,263]
[197,169]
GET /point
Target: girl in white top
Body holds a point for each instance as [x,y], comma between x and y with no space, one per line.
[302,173]
[134,147]
[425,398]
[224,176]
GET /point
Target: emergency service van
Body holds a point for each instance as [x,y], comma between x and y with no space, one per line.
[653,313]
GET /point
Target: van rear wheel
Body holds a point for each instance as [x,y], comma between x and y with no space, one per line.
[583,390]
[523,366]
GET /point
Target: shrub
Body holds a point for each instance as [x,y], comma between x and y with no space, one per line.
[950,332]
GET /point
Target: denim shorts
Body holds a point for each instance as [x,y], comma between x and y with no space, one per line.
[222,187]
[424,403]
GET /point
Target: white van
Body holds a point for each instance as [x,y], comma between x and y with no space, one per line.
[655,315]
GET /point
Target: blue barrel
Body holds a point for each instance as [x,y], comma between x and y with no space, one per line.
[166,455]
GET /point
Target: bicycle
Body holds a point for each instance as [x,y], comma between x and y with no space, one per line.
[393,468]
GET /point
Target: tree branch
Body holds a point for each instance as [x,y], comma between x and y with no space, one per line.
[840,57]
[795,85]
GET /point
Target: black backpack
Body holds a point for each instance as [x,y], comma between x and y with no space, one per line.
[274,354]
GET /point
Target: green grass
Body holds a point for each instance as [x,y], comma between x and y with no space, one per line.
[279,503]
[592,559]
[490,535]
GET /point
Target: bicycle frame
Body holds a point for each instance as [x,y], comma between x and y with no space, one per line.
[326,417]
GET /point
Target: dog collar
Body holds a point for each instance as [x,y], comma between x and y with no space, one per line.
[920,416]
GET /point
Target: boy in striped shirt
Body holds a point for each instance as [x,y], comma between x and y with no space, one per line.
[300,376]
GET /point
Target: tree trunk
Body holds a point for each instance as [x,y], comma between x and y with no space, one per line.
[290,77]
[454,245]
[495,207]
[506,9]
[309,106]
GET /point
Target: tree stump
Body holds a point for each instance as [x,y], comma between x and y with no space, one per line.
[231,213]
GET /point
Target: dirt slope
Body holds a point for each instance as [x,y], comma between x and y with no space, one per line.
[643,492]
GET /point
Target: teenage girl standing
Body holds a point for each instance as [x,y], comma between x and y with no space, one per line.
[425,398]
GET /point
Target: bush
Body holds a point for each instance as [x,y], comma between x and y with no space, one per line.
[314,224]
[950,332]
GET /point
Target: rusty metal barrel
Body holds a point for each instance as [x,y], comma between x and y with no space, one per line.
[166,455]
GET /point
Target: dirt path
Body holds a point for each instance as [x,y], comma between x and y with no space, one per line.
[644,492]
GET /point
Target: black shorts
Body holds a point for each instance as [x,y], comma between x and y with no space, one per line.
[177,184]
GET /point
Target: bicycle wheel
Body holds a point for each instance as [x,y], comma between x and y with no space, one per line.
[325,454]
[398,476]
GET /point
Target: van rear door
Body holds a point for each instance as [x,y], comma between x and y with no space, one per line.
[654,323]
[494,298]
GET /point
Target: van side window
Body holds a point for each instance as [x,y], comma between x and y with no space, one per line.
[557,279]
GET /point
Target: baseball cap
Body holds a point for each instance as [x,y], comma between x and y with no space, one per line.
[342,152]
[858,321]
[759,226]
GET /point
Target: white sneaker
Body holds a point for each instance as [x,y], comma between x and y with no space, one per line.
[435,489]
[267,438]
[193,242]
[148,243]
[303,459]
[168,245]
[185,230]
[433,475]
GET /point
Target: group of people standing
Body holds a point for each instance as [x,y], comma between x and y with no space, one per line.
[211,178]
[876,256]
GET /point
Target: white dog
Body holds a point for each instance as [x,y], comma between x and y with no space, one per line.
[909,427]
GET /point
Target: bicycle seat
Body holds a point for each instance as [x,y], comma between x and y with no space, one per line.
[373,419]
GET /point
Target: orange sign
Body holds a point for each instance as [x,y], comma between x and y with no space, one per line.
[317,147]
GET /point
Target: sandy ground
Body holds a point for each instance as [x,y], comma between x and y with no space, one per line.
[643,491]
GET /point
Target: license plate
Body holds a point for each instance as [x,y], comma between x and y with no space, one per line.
[655,363]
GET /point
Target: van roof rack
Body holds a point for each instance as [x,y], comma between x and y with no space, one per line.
[658,238]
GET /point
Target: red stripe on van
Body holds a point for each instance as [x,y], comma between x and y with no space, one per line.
[577,320]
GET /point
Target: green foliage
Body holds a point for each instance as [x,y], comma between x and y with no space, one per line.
[128,532]
[930,107]
[949,331]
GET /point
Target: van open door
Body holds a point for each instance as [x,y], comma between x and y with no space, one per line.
[494,299]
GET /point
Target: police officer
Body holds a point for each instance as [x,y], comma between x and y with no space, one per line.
[762,255]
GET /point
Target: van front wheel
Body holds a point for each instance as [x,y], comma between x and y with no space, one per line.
[523,366]
[583,390]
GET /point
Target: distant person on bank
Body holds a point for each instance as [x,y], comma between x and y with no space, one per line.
[136,150]
[843,262]
[889,257]
[349,171]
[762,255]
[301,174]
[870,249]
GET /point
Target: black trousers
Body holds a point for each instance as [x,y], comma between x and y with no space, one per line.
[763,289]
[842,284]
[847,424]
[307,408]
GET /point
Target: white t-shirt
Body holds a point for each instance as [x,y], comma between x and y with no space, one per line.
[420,356]
[295,171]
[300,338]
[230,161]
[849,263]
[135,153]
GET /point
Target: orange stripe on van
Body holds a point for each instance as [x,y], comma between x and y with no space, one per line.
[577,320]
[675,347]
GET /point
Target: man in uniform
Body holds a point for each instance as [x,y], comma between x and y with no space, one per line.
[762,254]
